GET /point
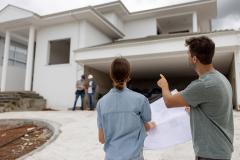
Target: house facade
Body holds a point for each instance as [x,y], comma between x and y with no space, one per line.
[63,46]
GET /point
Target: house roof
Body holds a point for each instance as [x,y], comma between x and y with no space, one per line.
[196,5]
[10,19]
[10,16]
[26,10]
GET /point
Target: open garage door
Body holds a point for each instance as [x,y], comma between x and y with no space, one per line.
[146,70]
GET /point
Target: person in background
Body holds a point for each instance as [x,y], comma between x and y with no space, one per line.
[123,117]
[91,92]
[80,91]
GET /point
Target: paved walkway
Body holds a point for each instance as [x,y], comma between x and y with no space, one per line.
[78,140]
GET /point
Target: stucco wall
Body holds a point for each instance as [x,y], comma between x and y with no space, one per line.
[140,28]
[115,20]
[57,82]
[15,78]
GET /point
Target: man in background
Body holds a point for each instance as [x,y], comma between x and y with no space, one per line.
[81,86]
[91,92]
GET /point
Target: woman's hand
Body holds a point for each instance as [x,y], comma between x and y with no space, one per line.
[149,125]
[152,125]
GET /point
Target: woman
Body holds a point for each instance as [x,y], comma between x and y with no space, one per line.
[123,117]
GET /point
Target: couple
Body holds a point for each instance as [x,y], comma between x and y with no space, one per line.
[124,116]
[85,86]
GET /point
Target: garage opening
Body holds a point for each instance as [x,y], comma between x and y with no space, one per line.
[146,71]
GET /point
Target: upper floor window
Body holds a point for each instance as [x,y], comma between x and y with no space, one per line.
[174,24]
[59,51]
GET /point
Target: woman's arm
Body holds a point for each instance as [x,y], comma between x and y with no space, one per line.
[101,136]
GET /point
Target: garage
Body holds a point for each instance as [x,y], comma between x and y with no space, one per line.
[145,72]
[151,56]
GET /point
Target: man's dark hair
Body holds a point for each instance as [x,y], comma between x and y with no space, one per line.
[201,47]
[83,76]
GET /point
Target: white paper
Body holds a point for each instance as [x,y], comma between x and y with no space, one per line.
[173,126]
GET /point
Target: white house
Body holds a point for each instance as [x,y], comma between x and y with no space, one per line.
[63,46]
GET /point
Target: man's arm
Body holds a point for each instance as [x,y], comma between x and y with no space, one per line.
[101,136]
[170,100]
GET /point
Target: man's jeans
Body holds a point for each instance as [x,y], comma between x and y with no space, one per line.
[77,94]
[91,100]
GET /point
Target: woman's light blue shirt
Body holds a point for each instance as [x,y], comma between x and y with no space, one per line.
[121,115]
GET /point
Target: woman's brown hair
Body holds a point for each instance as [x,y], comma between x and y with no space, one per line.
[120,72]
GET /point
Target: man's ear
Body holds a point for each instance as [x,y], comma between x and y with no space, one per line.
[194,59]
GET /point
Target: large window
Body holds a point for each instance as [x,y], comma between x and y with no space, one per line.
[59,51]
[17,54]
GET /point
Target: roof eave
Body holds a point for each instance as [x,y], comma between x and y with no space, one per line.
[154,38]
[86,13]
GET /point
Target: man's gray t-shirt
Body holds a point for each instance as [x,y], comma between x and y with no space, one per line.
[211,115]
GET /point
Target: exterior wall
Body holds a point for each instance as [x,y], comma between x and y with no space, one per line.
[237,79]
[15,78]
[140,28]
[234,78]
[90,35]
[115,20]
[57,82]
[204,25]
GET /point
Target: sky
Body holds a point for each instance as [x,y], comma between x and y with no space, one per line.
[228,10]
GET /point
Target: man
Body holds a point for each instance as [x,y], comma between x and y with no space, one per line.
[210,101]
[80,91]
[91,91]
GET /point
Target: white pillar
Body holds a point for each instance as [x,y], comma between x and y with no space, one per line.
[194,22]
[29,67]
[5,61]
[237,76]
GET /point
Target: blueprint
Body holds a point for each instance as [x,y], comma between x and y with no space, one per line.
[173,126]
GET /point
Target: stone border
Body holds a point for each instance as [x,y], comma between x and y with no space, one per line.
[53,126]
